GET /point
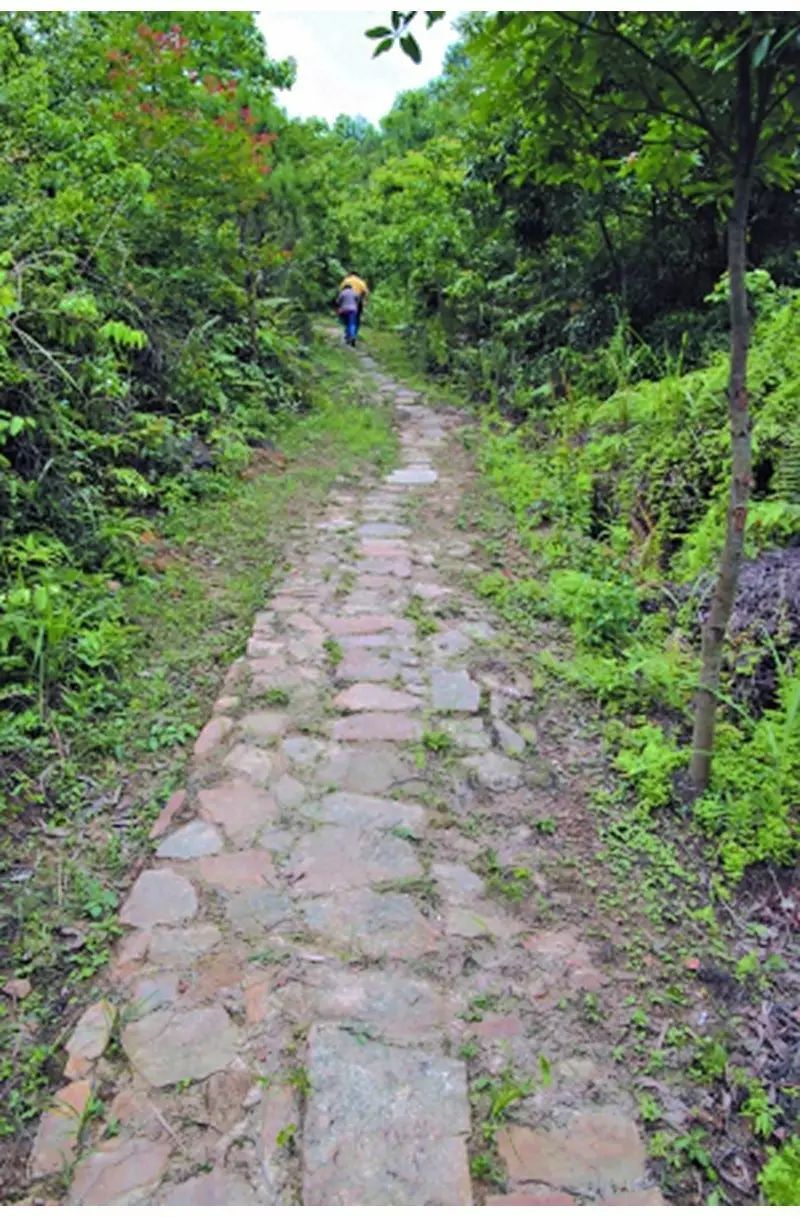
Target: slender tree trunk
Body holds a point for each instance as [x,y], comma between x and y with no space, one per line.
[716,623]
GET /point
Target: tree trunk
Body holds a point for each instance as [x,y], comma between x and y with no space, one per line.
[716,623]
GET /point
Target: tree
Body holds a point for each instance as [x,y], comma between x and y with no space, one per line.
[706,104]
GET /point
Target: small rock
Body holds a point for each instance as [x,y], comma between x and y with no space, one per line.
[212,735]
[57,1134]
[120,1171]
[18,988]
[454,691]
[374,697]
[377,726]
[251,762]
[288,792]
[265,725]
[495,773]
[176,948]
[159,897]
[217,1187]
[233,872]
[169,1046]
[90,1038]
[194,840]
[598,1151]
[509,740]
[526,1198]
[240,809]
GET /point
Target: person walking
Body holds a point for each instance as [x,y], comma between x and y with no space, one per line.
[347,308]
[361,290]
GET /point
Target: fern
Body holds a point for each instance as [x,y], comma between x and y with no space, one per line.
[787,477]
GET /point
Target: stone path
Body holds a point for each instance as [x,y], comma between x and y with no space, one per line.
[314,954]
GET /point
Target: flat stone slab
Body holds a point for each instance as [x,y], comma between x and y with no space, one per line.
[301,749]
[169,1046]
[412,477]
[403,1115]
[377,726]
[217,1187]
[358,811]
[479,921]
[494,772]
[374,924]
[233,872]
[366,696]
[448,643]
[335,859]
[383,528]
[175,948]
[257,911]
[159,897]
[121,1171]
[195,840]
[400,568]
[598,1152]
[454,691]
[367,623]
[89,1039]
[369,769]
[251,762]
[239,809]
[263,726]
[57,1135]
[395,1005]
[364,665]
[212,735]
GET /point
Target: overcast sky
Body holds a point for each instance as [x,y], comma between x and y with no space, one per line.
[335,70]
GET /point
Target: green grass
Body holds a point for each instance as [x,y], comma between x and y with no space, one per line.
[79,805]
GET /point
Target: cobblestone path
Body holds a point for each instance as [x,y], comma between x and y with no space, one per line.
[314,956]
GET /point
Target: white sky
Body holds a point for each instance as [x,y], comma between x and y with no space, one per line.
[336,73]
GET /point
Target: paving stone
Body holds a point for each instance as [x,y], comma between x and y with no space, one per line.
[395,1005]
[377,726]
[263,726]
[495,773]
[372,923]
[456,882]
[279,1110]
[469,734]
[18,988]
[288,792]
[218,1187]
[303,623]
[647,1198]
[169,1046]
[150,992]
[509,740]
[356,811]
[159,897]
[399,568]
[332,859]
[57,1135]
[262,648]
[89,1039]
[173,806]
[378,548]
[302,749]
[448,643]
[431,591]
[383,528]
[412,477]
[403,1114]
[376,642]
[120,1171]
[365,696]
[238,808]
[174,948]
[497,1027]
[277,840]
[370,769]
[454,691]
[212,735]
[599,1151]
[479,921]
[367,623]
[365,665]
[257,911]
[233,872]
[250,762]
[224,704]
[193,840]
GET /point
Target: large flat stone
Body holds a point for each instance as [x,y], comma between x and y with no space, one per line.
[494,772]
[121,1171]
[377,726]
[403,1115]
[454,691]
[599,1151]
[217,1187]
[57,1135]
[263,726]
[358,811]
[159,897]
[169,1046]
[241,810]
[250,762]
[392,1004]
[175,948]
[233,872]
[212,735]
[398,568]
[255,912]
[366,696]
[194,840]
[367,623]
[365,665]
[372,924]
[335,859]
[89,1039]
[369,769]
[383,528]
[412,477]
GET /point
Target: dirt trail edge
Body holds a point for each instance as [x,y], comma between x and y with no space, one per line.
[324,944]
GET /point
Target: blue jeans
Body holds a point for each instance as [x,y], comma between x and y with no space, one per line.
[350,322]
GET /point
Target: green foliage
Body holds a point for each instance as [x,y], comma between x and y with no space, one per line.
[780,1177]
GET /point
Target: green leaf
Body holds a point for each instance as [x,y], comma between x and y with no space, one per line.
[760,53]
[411,48]
[437,16]
[382,46]
[378,31]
